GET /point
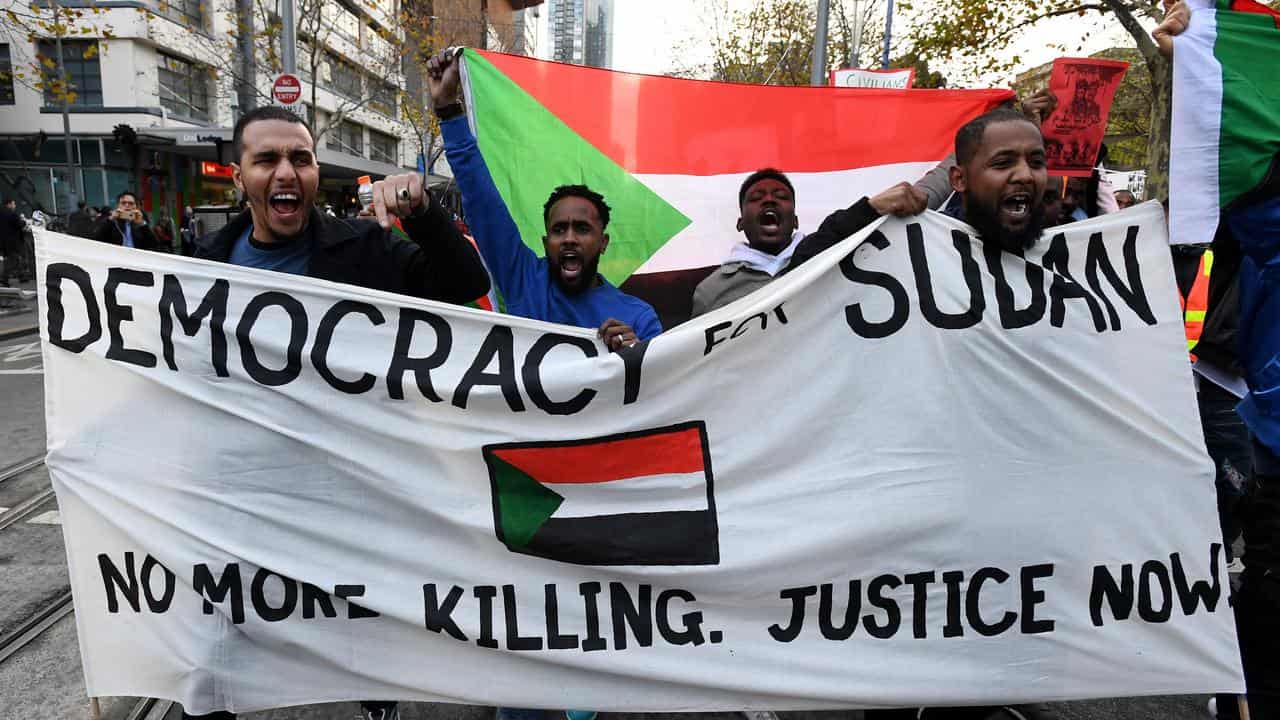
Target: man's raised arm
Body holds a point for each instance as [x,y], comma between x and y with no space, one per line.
[508,258]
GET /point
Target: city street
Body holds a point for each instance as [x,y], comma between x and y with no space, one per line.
[44,674]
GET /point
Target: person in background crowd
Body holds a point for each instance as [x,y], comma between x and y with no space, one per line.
[80,223]
[1125,199]
[1211,340]
[164,235]
[127,225]
[191,229]
[1251,242]
[283,230]
[1080,200]
[1051,209]
[12,227]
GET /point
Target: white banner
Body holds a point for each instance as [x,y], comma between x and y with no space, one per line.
[924,472]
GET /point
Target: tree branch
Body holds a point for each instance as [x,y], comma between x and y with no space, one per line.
[1124,14]
[1058,13]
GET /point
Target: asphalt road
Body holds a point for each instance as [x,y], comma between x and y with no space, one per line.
[44,678]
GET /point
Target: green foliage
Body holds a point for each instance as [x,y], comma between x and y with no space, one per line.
[971,34]
[925,77]
[772,41]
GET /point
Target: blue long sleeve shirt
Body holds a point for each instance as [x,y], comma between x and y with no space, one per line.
[1257,228]
[523,278]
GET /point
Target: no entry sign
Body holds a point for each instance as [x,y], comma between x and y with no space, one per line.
[286,89]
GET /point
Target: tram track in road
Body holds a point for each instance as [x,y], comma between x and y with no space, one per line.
[18,468]
[53,602]
[57,597]
[27,507]
[151,709]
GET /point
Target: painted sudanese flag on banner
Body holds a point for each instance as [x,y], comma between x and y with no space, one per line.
[1226,113]
[669,155]
[558,500]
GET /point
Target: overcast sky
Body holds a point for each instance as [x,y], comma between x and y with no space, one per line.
[647,32]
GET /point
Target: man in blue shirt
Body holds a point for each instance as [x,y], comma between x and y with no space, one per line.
[562,287]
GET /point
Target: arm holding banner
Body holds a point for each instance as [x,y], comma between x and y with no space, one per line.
[901,200]
[439,262]
[497,236]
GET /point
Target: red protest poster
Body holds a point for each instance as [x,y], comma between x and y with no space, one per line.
[1073,134]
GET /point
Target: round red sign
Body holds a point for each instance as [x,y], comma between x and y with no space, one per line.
[287,89]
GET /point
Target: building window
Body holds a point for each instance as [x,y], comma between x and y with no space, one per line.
[80,60]
[342,20]
[6,76]
[348,137]
[187,13]
[382,147]
[184,88]
[382,97]
[344,78]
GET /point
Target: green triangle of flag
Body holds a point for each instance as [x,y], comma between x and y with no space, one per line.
[530,151]
[524,504]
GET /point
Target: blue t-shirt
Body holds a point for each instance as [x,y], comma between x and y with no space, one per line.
[293,257]
[522,277]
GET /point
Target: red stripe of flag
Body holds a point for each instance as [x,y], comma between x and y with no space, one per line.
[661,125]
[1254,6]
[656,454]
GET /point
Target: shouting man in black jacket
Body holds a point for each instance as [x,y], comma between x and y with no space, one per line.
[277,172]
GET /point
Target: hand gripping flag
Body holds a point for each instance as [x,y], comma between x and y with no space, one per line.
[669,155]
[1225,142]
[560,500]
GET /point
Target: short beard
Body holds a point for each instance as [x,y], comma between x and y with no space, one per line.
[990,229]
[590,268]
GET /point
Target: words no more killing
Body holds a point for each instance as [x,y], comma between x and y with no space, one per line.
[590,616]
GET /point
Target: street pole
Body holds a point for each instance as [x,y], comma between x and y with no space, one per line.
[72,181]
[288,38]
[857,34]
[247,83]
[888,33]
[818,76]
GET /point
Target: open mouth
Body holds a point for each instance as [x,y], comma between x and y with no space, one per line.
[1017,206]
[285,203]
[770,221]
[570,265]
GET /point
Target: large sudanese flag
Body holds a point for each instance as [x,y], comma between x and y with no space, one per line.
[1225,142]
[670,154]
